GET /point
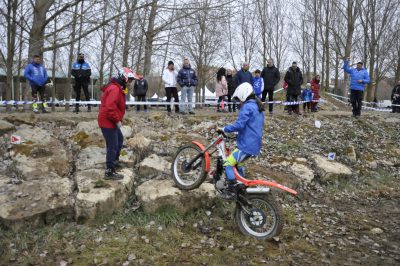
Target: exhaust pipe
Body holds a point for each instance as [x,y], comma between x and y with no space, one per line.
[255,190]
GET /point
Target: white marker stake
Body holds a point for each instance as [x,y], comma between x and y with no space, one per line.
[331,156]
[317,123]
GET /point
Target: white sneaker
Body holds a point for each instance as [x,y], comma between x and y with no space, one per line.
[35,110]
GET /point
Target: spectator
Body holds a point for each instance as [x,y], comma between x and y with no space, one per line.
[111,113]
[81,72]
[244,75]
[221,87]
[306,95]
[187,79]
[231,89]
[169,78]
[396,98]
[294,79]
[359,77]
[315,87]
[139,91]
[271,77]
[36,73]
[258,84]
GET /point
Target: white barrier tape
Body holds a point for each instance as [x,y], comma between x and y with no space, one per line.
[364,107]
[144,103]
[347,98]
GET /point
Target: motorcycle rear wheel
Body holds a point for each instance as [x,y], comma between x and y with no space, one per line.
[264,220]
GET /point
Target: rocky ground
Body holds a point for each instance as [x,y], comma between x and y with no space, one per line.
[56,209]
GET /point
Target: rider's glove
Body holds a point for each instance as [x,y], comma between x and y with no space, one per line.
[221,129]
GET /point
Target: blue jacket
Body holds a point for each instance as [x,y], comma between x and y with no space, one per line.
[356,75]
[250,127]
[242,77]
[186,77]
[306,95]
[36,74]
[258,85]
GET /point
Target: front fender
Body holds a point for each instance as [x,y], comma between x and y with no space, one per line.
[206,155]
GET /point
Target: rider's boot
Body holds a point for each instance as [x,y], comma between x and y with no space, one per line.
[241,170]
[110,174]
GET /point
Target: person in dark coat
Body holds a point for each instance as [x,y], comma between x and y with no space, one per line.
[294,79]
[139,91]
[271,77]
[231,89]
[396,98]
[244,75]
[81,72]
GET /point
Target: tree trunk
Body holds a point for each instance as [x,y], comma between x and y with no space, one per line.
[103,47]
[11,37]
[36,34]
[150,33]
[53,75]
[68,88]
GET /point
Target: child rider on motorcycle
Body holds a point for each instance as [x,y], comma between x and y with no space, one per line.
[250,127]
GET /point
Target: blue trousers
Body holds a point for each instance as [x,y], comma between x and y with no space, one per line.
[114,140]
[236,158]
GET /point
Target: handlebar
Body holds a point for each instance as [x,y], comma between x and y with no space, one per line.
[220,132]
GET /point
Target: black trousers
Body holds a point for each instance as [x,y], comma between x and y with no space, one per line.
[141,98]
[356,101]
[172,92]
[231,104]
[396,109]
[292,108]
[270,93]
[79,85]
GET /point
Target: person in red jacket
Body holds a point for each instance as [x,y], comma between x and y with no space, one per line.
[315,87]
[111,113]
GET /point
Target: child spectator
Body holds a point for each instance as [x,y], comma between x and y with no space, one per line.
[306,95]
[258,84]
[315,86]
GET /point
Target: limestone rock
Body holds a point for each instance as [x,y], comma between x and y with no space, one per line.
[5,127]
[302,171]
[126,131]
[35,201]
[140,146]
[329,170]
[91,158]
[156,194]
[98,196]
[39,154]
[88,134]
[153,166]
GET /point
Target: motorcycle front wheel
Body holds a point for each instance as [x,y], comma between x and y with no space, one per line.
[261,218]
[187,176]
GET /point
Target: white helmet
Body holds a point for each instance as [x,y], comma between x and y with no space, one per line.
[243,91]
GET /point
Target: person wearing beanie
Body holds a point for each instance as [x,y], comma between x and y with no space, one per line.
[81,72]
[169,79]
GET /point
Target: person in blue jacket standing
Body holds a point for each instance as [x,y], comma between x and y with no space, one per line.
[81,72]
[307,96]
[359,77]
[250,128]
[36,73]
